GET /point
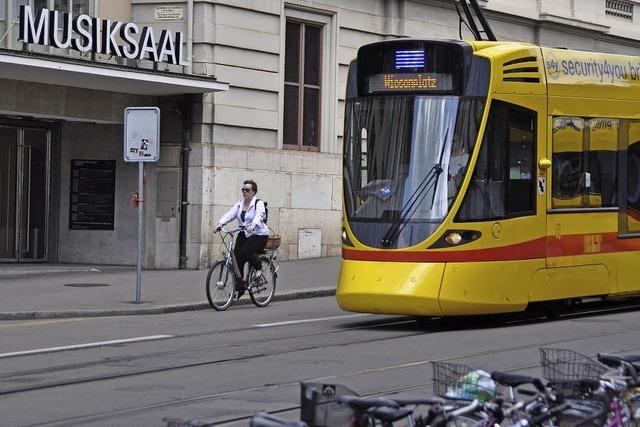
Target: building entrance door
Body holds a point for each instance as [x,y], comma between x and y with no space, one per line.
[24,193]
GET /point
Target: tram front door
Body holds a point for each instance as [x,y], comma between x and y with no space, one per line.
[24,193]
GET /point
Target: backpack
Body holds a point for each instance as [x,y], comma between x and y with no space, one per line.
[266,210]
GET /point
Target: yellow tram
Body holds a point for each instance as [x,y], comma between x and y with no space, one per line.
[481,177]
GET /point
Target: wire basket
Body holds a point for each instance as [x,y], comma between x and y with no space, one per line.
[461,382]
[559,365]
[319,406]
[273,242]
[574,389]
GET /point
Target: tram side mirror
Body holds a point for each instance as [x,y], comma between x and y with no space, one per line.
[586,178]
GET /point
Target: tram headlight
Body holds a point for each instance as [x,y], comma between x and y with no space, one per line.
[453,238]
[345,238]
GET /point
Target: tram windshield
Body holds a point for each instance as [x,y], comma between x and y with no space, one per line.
[405,158]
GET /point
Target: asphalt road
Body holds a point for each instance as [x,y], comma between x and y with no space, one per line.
[223,367]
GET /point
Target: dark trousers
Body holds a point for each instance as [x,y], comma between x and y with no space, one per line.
[247,250]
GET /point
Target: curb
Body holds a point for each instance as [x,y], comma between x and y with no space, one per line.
[161,309]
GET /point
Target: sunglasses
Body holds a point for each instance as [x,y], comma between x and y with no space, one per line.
[245,189]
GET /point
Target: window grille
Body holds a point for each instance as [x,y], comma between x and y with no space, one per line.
[619,9]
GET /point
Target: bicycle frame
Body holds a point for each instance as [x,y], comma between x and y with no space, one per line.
[230,256]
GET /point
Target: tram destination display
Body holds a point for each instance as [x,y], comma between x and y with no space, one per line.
[92,195]
[410,82]
[410,66]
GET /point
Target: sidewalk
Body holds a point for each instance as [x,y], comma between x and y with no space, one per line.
[46,291]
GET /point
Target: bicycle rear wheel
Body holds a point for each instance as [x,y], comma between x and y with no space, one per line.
[220,286]
[261,290]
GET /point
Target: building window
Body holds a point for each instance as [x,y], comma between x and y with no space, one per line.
[619,9]
[78,7]
[503,182]
[584,173]
[302,77]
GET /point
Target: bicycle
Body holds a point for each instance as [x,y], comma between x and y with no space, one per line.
[578,377]
[627,381]
[224,279]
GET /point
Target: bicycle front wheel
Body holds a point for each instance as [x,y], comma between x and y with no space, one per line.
[261,289]
[220,286]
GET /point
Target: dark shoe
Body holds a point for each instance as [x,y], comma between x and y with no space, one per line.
[242,288]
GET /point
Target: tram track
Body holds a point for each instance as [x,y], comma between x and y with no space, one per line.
[442,324]
[113,361]
[424,386]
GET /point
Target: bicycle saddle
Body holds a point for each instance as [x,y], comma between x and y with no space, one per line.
[513,380]
[389,415]
[611,359]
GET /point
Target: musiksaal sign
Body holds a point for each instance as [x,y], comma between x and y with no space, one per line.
[84,33]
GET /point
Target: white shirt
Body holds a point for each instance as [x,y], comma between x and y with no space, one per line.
[253,216]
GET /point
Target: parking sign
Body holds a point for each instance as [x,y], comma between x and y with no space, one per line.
[141,134]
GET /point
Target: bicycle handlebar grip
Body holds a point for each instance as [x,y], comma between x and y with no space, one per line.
[465,409]
[609,360]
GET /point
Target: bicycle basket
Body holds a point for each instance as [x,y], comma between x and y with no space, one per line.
[273,241]
[461,382]
[561,364]
[319,406]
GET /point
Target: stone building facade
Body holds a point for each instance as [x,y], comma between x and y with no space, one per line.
[280,122]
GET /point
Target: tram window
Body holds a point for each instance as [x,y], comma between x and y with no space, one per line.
[521,188]
[603,151]
[632,196]
[464,140]
[568,162]
[584,172]
[502,184]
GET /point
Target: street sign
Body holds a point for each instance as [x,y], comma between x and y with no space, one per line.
[141,145]
[141,134]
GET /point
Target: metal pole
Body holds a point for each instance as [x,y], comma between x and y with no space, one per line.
[140,231]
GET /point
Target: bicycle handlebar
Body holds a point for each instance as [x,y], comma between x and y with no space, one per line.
[464,410]
[626,362]
[420,401]
[362,404]
[235,230]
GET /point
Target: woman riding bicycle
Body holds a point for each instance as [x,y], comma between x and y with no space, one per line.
[249,211]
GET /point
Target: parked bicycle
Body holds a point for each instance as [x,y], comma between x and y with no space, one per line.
[224,279]
[579,378]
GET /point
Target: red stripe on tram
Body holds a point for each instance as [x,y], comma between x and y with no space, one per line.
[549,246]
[633,214]
[588,244]
[532,249]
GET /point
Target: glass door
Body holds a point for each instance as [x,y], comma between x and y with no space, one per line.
[24,193]
[8,191]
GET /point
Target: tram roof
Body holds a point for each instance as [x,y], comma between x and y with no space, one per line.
[562,72]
